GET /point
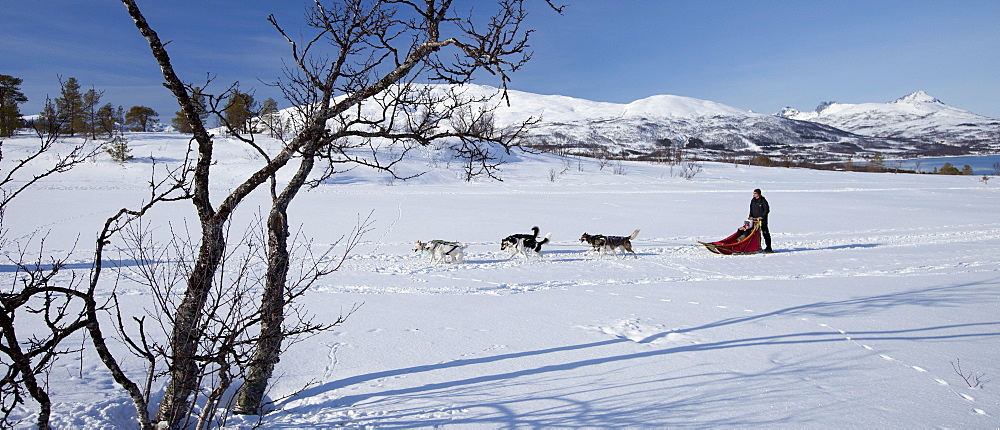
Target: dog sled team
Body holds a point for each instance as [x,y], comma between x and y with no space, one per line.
[525,245]
[751,238]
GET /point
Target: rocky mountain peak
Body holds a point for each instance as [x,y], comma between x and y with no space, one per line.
[917,97]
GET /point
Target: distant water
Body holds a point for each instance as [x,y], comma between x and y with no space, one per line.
[981,164]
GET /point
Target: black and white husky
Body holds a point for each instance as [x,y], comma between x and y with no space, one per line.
[520,244]
[441,251]
[600,243]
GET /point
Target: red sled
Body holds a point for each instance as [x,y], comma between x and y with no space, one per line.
[744,241]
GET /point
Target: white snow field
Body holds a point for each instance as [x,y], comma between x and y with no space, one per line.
[882,282]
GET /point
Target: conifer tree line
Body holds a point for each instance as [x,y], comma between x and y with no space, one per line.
[79,112]
[76,112]
[10,97]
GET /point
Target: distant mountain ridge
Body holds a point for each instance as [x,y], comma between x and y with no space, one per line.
[913,125]
[660,126]
[917,116]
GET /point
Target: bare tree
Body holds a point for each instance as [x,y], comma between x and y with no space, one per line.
[228,332]
[358,106]
[37,295]
[43,301]
[365,108]
[184,333]
[173,186]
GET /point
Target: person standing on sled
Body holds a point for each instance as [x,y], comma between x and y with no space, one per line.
[759,210]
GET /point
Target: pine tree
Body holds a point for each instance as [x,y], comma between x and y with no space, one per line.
[270,117]
[140,118]
[118,148]
[180,121]
[239,110]
[70,108]
[91,99]
[10,97]
[949,169]
[107,118]
[48,119]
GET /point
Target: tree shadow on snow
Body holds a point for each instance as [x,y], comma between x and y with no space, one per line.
[691,404]
[702,400]
[930,297]
[11,268]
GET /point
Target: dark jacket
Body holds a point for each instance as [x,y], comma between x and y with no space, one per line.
[759,208]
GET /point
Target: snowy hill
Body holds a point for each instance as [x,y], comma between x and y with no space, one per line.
[662,123]
[882,283]
[917,116]
[913,125]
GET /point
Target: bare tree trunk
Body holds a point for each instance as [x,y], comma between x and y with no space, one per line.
[268,351]
[22,365]
[268,345]
[186,330]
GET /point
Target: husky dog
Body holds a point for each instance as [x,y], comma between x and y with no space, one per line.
[441,251]
[600,243]
[520,244]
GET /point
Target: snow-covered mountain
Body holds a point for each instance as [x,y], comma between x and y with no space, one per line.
[917,116]
[653,125]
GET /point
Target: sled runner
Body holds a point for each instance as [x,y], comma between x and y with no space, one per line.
[742,242]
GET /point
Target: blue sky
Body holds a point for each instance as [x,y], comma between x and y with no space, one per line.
[753,55]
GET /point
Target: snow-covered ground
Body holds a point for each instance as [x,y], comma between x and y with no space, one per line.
[882,282]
